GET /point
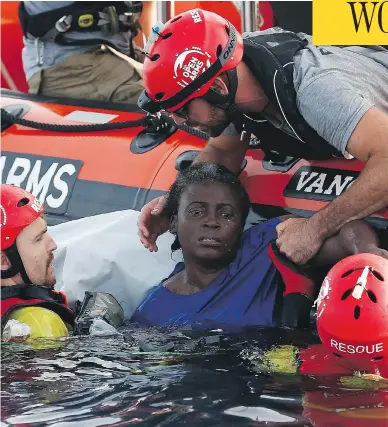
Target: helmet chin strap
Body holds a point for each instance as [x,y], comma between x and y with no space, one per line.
[226,102]
[16,265]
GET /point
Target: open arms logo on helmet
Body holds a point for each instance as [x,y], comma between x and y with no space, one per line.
[190,64]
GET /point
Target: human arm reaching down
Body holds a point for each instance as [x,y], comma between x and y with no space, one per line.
[355,237]
[300,239]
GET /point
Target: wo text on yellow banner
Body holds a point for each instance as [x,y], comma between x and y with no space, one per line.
[341,22]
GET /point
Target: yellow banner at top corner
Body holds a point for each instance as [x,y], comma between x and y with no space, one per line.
[341,22]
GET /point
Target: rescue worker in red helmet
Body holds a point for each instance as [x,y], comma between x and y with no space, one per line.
[27,276]
[298,99]
[356,287]
[352,363]
[23,224]
[352,323]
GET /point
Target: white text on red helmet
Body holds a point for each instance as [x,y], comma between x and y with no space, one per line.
[196,16]
[359,349]
[193,68]
[189,64]
[36,205]
[230,47]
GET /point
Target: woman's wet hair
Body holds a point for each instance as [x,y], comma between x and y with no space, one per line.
[202,173]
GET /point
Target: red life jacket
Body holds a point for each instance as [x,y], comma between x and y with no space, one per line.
[17,296]
[296,279]
[300,289]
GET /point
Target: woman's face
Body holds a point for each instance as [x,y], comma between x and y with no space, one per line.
[209,223]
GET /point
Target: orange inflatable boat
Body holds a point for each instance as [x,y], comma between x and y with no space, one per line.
[79,174]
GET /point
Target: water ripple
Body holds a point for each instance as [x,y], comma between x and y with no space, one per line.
[109,382]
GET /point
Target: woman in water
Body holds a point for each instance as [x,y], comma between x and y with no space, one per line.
[231,277]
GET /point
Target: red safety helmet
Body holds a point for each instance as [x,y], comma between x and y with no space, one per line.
[352,309]
[18,210]
[185,57]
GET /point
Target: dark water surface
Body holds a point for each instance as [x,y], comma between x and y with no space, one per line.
[179,379]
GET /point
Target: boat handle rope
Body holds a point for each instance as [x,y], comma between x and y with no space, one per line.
[152,124]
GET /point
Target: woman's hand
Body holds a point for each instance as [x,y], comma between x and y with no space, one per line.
[152,222]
